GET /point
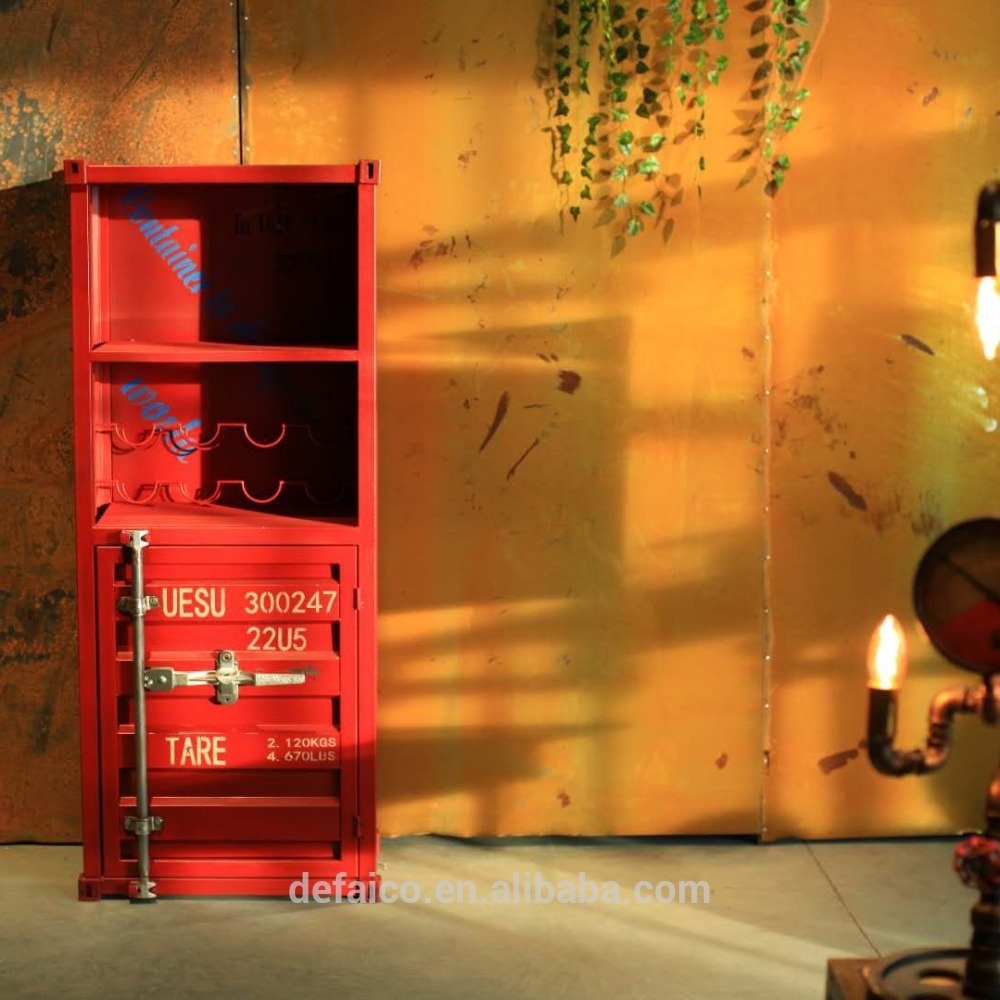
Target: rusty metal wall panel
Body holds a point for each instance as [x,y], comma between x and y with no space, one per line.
[127,81]
[880,436]
[571,528]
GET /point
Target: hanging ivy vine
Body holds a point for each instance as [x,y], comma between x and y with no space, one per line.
[784,113]
[631,80]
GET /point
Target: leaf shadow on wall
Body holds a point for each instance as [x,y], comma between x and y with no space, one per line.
[507,545]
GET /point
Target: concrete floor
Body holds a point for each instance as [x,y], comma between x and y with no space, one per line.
[776,913]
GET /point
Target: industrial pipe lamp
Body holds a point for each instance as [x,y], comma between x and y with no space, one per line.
[956,596]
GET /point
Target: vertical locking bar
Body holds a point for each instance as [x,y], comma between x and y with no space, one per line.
[141,891]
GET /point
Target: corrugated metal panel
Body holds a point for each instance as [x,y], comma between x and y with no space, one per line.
[117,81]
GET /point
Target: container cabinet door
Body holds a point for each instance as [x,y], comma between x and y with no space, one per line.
[256,782]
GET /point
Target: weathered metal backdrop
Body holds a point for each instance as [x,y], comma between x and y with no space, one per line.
[625,588]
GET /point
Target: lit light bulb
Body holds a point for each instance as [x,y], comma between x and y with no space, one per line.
[988,316]
[887,656]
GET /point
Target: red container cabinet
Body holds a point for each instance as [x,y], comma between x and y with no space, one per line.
[224,380]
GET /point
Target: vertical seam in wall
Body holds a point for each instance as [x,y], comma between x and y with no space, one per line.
[767,637]
[241,88]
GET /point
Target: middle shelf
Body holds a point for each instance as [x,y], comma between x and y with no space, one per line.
[281,437]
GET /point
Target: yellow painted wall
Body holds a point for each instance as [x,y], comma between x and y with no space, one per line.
[641,605]
[571,612]
[873,244]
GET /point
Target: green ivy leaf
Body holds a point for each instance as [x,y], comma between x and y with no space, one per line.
[641,13]
[642,111]
[619,95]
[618,78]
[701,162]
[564,52]
[575,212]
[562,108]
[647,208]
[642,50]
[619,173]
[585,192]
[649,96]
[621,201]
[650,165]
[562,29]
[783,162]
[655,141]
[566,177]
[563,7]
[633,227]
[641,67]
[619,114]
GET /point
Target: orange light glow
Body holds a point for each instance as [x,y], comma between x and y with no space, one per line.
[988,316]
[887,656]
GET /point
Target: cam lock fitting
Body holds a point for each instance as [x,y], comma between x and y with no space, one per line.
[137,608]
[143,826]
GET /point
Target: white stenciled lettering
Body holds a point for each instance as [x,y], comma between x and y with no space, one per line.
[193,602]
[196,751]
[276,638]
[285,602]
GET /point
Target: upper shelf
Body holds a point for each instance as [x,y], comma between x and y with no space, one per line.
[195,353]
[239,267]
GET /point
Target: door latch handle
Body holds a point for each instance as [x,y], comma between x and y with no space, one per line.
[226,678]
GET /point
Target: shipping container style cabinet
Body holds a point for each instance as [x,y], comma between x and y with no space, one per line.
[224,381]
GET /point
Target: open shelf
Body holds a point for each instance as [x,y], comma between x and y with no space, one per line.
[246,265]
[260,438]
